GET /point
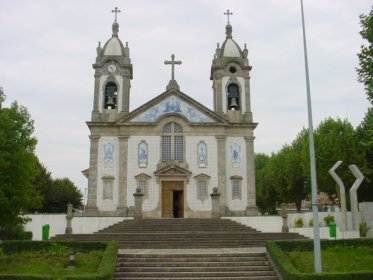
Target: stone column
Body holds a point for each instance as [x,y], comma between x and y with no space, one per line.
[138,195]
[222,172]
[251,209]
[126,85]
[69,217]
[123,156]
[96,97]
[219,93]
[248,112]
[215,211]
[91,208]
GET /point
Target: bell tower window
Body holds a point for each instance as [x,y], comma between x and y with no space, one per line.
[172,142]
[111,94]
[233,97]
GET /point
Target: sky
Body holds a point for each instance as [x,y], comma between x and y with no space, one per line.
[47,49]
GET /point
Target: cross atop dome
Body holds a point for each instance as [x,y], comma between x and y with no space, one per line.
[116,11]
[228,13]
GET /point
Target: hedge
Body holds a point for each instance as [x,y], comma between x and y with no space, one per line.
[288,271]
[105,269]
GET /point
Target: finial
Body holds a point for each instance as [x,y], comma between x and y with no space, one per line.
[228,13]
[126,44]
[228,31]
[116,11]
[99,49]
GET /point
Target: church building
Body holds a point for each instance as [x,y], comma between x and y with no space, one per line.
[173,148]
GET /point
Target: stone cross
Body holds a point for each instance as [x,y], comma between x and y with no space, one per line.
[116,11]
[228,13]
[172,62]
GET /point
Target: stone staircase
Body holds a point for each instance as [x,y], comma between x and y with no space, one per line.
[187,249]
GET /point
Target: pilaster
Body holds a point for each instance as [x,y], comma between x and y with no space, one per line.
[91,208]
[96,96]
[123,155]
[222,172]
[251,208]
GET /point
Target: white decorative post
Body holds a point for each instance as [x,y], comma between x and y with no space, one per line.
[342,193]
[353,196]
[284,215]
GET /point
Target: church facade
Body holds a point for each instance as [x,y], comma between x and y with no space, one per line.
[172,148]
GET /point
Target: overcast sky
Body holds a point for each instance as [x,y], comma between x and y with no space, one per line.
[47,49]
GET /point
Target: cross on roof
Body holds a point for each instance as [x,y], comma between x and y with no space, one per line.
[172,62]
[228,13]
[116,11]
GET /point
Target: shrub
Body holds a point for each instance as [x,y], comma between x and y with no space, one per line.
[14,232]
[310,223]
[329,219]
[363,229]
[278,252]
[298,222]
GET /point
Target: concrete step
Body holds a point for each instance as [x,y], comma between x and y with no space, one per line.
[194,266]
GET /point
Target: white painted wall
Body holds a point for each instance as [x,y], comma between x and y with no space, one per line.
[261,223]
[57,223]
[366,210]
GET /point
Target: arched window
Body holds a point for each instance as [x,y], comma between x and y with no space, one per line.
[172,142]
[111,94]
[233,97]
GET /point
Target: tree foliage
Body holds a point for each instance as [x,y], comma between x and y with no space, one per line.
[17,164]
[56,193]
[365,69]
[285,176]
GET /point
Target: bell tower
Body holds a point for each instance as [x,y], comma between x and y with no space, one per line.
[230,73]
[113,74]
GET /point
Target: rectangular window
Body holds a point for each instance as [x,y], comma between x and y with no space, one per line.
[142,185]
[166,148]
[236,190]
[179,148]
[202,189]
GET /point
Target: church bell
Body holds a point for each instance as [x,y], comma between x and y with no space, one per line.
[233,104]
[110,102]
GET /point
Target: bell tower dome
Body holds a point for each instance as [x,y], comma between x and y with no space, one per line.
[230,73]
[113,75]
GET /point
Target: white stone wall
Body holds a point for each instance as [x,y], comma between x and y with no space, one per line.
[107,169]
[57,223]
[133,170]
[236,204]
[211,169]
[241,82]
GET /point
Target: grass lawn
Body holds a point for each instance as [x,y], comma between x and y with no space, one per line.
[41,263]
[335,259]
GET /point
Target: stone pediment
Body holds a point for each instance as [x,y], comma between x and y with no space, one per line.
[173,102]
[172,169]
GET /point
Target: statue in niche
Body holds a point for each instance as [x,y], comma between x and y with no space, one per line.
[202,154]
[235,155]
[108,154]
[143,154]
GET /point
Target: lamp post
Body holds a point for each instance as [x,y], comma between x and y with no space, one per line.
[316,233]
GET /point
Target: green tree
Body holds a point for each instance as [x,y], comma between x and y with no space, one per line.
[364,134]
[266,194]
[60,193]
[365,69]
[17,164]
[334,140]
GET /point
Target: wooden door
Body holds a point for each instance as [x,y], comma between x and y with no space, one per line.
[170,201]
[167,203]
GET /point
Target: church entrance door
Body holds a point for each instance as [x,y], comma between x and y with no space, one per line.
[172,199]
